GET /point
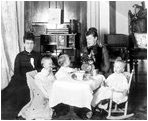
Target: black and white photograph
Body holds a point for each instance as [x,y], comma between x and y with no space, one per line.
[74,60]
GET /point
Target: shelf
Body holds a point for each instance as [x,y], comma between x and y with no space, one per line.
[61,34]
[68,48]
[39,23]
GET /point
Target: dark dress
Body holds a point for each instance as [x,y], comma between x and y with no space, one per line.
[18,84]
[23,65]
[99,55]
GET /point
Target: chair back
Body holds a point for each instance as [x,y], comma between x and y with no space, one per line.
[130,79]
[32,85]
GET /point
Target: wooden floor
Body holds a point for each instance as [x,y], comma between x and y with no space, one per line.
[137,101]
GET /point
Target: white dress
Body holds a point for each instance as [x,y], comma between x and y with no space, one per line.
[115,81]
[64,72]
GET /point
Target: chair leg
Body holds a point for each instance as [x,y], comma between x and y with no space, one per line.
[110,108]
[125,111]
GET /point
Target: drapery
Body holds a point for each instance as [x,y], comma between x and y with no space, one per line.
[98,17]
[93,14]
[11,35]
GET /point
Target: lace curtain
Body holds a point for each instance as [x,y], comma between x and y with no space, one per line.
[11,37]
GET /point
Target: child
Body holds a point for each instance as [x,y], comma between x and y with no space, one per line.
[40,85]
[116,82]
[65,70]
[45,78]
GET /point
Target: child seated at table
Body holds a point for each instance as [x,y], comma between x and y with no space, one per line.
[45,79]
[65,70]
[116,82]
[40,85]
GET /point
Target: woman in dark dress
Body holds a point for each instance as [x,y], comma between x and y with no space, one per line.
[25,61]
[96,51]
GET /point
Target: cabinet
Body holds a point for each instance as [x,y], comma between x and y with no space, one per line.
[138,34]
[35,20]
[118,46]
[57,41]
[56,44]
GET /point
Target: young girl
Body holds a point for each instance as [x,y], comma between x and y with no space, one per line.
[116,82]
[65,70]
[40,85]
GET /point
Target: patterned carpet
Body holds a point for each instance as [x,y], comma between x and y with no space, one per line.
[137,105]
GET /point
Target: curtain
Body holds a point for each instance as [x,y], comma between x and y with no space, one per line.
[98,17]
[10,39]
[93,14]
[104,19]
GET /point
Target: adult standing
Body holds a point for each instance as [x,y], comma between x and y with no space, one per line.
[25,61]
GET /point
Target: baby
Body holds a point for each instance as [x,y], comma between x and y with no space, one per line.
[44,79]
[65,70]
[116,82]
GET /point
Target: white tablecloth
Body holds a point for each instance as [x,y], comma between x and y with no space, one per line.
[71,92]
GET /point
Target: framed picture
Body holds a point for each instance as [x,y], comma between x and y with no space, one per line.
[54,16]
[62,41]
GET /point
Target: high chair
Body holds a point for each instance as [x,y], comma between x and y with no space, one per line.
[117,110]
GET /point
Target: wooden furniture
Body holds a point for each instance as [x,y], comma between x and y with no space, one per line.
[122,112]
[56,44]
[56,41]
[36,15]
[137,25]
[118,46]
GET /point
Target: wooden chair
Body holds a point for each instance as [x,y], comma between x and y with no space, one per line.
[120,113]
